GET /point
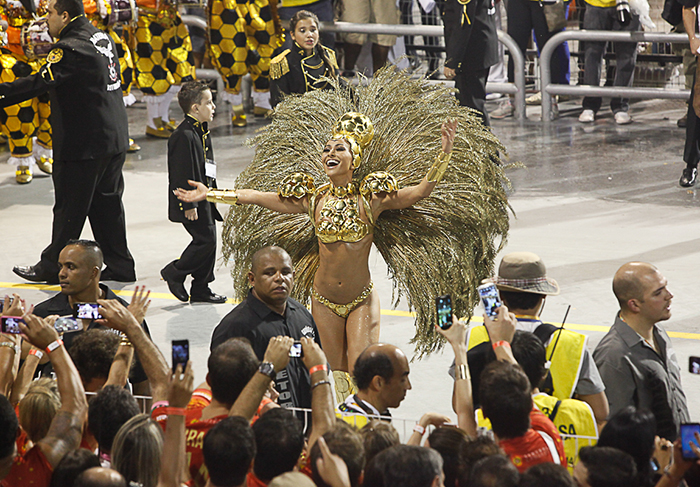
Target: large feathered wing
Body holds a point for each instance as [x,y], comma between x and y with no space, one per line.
[444,244]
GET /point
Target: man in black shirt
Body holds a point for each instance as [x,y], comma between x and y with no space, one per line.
[90,139]
[267,312]
[80,263]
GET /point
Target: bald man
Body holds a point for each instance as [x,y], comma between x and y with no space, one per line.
[79,275]
[267,312]
[100,477]
[635,359]
[381,375]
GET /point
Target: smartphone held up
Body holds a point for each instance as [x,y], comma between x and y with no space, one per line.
[490,299]
[181,353]
[443,307]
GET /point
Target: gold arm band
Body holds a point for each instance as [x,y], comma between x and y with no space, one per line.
[461,372]
[226,196]
[437,170]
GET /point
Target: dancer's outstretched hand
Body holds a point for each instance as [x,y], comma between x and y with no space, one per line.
[449,130]
[197,194]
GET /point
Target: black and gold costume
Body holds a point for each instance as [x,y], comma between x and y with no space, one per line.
[22,122]
[243,34]
[163,59]
[293,71]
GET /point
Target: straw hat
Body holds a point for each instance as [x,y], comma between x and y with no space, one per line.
[524,272]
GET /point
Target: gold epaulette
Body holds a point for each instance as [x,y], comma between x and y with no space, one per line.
[330,54]
[296,185]
[379,182]
[279,65]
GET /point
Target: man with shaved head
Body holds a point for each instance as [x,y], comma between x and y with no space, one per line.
[381,375]
[79,265]
[100,477]
[267,312]
[635,358]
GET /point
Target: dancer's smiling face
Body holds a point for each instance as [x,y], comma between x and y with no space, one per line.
[337,157]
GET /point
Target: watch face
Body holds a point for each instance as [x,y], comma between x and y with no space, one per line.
[268,369]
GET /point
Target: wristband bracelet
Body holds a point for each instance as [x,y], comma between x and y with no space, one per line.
[35,351]
[174,411]
[11,346]
[461,372]
[320,383]
[54,345]
[419,429]
[501,343]
[159,404]
[316,368]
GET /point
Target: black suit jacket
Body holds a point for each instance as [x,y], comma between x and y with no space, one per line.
[82,78]
[471,40]
[189,147]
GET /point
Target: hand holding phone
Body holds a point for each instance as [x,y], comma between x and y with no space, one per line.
[688,431]
[181,353]
[443,307]
[490,299]
[694,365]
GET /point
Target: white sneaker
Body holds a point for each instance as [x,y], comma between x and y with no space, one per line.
[622,118]
[505,109]
[587,116]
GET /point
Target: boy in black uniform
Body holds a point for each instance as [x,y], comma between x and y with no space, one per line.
[191,157]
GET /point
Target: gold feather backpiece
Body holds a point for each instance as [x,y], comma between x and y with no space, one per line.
[444,244]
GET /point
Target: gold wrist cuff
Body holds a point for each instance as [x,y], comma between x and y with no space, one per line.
[226,196]
[461,372]
[437,170]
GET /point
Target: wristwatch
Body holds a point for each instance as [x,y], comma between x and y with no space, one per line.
[268,369]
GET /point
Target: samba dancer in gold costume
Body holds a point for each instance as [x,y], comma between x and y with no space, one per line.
[380,189]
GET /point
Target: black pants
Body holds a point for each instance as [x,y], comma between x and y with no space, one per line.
[198,259]
[472,91]
[90,189]
[524,16]
[691,153]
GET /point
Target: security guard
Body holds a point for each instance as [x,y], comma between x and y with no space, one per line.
[90,139]
[472,48]
[523,285]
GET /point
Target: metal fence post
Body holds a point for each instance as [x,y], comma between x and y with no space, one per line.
[548,88]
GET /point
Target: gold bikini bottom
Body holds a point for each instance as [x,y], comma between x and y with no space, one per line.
[343,310]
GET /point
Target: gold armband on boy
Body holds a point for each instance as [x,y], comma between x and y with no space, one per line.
[227,196]
[437,170]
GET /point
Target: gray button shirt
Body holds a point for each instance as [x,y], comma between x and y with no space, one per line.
[636,375]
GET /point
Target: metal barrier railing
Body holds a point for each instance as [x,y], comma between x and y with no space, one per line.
[517,88]
[549,88]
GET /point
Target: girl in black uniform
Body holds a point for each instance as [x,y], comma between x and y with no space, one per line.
[303,66]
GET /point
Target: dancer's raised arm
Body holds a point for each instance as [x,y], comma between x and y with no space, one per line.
[409,195]
[269,200]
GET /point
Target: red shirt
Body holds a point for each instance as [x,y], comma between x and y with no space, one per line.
[252,480]
[30,470]
[195,429]
[540,444]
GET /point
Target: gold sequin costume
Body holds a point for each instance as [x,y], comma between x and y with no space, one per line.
[445,243]
[243,34]
[22,122]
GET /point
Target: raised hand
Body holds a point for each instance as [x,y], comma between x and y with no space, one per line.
[449,131]
[38,331]
[191,196]
[140,303]
[456,334]
[181,386]
[278,351]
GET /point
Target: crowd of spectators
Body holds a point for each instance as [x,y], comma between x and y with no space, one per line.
[69,417]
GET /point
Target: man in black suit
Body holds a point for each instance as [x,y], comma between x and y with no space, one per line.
[90,139]
[191,158]
[472,48]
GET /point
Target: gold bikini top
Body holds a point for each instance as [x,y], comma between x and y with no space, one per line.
[340,214]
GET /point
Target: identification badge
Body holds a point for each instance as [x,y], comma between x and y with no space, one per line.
[210,169]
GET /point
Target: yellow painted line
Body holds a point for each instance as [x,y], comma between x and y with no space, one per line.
[385,312]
